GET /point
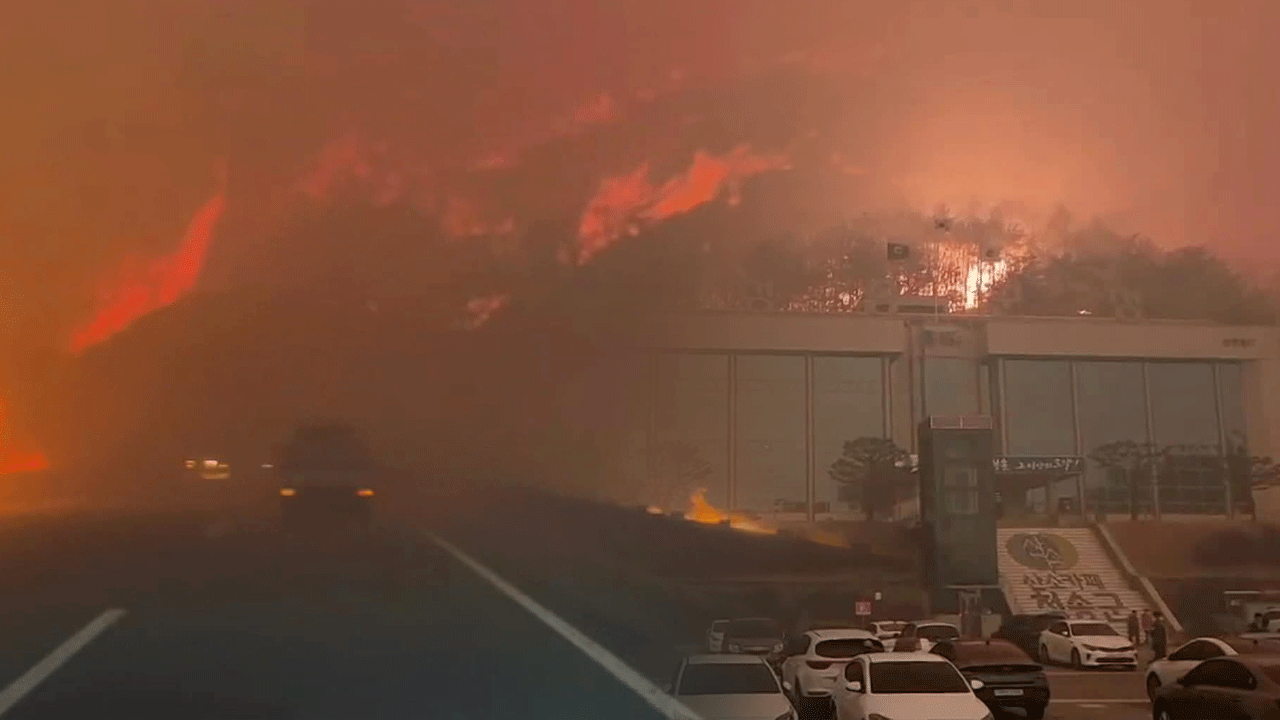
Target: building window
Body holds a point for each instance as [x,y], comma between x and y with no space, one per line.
[960,490]
[848,403]
[1039,419]
[691,400]
[770,423]
[1184,428]
[1112,407]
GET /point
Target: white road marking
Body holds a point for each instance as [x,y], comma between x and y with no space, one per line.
[60,655]
[649,691]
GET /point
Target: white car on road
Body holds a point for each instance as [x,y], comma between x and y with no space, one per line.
[812,661]
[906,686]
[922,636]
[1167,670]
[1086,643]
[730,687]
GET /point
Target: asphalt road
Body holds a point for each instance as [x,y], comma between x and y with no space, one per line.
[216,616]
[226,622]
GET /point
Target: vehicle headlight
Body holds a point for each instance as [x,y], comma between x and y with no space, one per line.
[733,648]
[777,647]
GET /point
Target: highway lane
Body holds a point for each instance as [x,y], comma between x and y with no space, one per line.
[237,626]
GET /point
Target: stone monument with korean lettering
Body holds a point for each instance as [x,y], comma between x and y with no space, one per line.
[958,506]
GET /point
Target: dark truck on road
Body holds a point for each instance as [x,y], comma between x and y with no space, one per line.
[324,471]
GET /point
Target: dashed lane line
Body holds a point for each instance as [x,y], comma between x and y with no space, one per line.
[649,691]
[19,688]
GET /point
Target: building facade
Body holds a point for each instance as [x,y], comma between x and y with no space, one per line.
[768,400]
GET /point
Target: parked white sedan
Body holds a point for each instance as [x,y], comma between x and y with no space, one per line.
[1167,670]
[731,687]
[1086,643]
[915,685]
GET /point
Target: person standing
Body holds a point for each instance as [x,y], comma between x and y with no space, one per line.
[1147,622]
[1159,637]
[1135,628]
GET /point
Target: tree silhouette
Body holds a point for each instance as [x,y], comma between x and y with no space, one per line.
[872,469]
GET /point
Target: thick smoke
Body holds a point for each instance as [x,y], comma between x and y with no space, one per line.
[500,117]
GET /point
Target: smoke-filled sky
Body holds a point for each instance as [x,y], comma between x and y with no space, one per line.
[1159,114]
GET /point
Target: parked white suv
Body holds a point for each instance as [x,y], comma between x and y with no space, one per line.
[813,661]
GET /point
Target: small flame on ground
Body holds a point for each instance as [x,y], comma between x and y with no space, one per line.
[702,511]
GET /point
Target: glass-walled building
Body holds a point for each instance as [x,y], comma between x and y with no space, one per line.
[762,405]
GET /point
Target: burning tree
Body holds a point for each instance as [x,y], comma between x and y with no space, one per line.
[676,469]
[871,469]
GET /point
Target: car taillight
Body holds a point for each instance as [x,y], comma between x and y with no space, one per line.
[818,665]
[288,492]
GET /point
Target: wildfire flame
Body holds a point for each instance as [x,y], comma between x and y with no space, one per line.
[161,283]
[623,202]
